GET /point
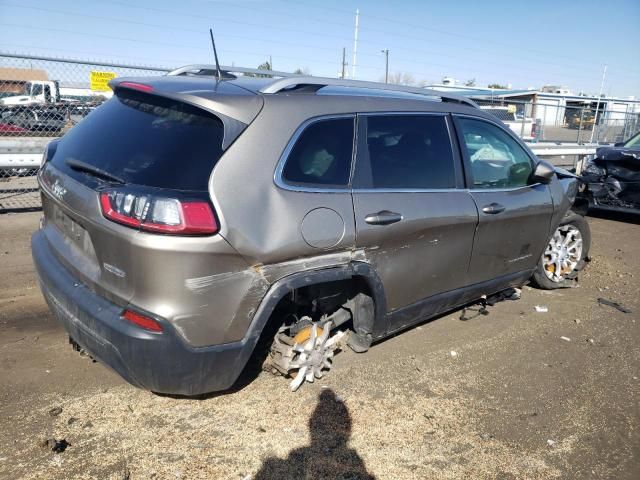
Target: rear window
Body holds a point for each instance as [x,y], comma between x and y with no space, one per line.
[146,140]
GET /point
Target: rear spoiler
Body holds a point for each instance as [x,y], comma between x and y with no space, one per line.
[232,127]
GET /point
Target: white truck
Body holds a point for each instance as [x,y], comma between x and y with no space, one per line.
[49,91]
[522,126]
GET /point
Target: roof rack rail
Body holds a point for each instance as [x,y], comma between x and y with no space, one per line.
[211,70]
[288,81]
[300,81]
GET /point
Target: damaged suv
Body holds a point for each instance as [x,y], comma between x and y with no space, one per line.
[193,217]
[612,177]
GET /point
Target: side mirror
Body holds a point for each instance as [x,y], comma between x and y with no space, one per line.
[543,173]
[618,144]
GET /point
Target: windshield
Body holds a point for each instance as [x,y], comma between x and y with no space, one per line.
[33,89]
[145,140]
[633,141]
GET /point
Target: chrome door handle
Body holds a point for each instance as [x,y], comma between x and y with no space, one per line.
[384,217]
[493,208]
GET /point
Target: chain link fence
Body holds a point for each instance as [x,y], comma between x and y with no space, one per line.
[580,122]
[41,98]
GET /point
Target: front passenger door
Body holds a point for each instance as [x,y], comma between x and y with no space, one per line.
[514,215]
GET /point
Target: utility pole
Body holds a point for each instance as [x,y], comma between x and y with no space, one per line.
[270,63]
[355,47]
[595,123]
[386,65]
[344,62]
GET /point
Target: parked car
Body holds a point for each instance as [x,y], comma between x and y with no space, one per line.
[8,128]
[38,120]
[612,177]
[190,219]
[522,126]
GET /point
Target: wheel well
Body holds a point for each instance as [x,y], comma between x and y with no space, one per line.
[580,206]
[323,298]
[315,300]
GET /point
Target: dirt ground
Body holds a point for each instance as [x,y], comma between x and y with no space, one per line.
[526,394]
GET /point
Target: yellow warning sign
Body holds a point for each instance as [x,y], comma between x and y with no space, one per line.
[100,80]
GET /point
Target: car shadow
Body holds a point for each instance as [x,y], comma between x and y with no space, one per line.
[328,455]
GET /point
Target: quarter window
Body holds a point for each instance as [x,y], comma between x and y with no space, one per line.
[410,152]
[321,157]
[497,160]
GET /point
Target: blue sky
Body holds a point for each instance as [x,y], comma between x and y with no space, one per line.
[526,44]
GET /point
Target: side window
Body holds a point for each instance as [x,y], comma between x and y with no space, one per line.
[497,160]
[321,157]
[410,151]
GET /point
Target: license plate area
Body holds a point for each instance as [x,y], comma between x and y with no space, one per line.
[71,229]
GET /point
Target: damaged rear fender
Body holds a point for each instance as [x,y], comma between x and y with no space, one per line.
[353,270]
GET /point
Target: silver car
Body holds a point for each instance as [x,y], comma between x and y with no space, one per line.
[192,218]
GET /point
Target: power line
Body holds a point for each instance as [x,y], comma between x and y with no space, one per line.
[190,30]
[200,17]
[314,47]
[271,12]
[221,20]
[412,61]
[155,25]
[164,27]
[173,27]
[151,42]
[387,20]
[199,48]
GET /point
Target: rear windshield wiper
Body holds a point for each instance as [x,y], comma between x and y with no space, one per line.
[81,166]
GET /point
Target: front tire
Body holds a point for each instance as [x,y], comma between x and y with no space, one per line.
[565,255]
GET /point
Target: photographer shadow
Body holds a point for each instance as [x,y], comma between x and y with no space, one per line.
[328,456]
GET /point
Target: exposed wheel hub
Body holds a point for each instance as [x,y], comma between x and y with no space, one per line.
[307,355]
[563,253]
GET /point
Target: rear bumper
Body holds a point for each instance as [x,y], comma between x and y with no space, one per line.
[160,362]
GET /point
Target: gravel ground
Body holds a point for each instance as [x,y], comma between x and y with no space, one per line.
[517,400]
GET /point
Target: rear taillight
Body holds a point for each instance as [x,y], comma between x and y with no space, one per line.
[142,321]
[159,214]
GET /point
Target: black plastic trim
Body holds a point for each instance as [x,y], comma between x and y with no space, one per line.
[443,302]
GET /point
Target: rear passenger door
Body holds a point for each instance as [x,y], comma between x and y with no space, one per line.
[514,214]
[413,218]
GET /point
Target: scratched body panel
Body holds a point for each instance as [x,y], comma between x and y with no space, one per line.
[428,251]
[513,240]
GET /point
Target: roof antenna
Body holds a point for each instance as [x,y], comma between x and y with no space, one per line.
[215,54]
